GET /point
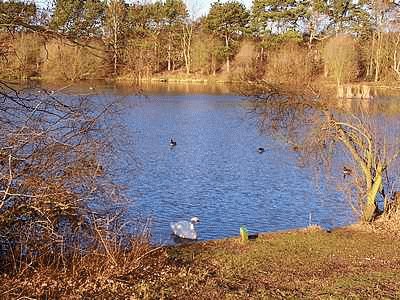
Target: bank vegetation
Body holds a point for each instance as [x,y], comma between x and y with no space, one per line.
[334,41]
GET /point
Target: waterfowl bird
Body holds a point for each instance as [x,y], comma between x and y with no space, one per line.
[185,229]
[172,143]
[260,150]
[347,171]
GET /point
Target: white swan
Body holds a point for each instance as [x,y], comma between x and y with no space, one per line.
[185,229]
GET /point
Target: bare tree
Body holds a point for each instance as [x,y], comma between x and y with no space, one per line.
[323,134]
[341,58]
[53,155]
[186,44]
[115,14]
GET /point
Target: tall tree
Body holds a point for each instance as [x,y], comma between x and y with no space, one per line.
[115,27]
[186,43]
[228,21]
[315,18]
[13,13]
[175,15]
[273,22]
[78,18]
[278,17]
[384,16]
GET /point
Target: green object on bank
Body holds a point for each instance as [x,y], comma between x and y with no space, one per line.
[244,234]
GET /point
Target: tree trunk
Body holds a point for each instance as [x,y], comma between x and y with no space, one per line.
[396,62]
[378,57]
[371,208]
[169,57]
[371,62]
[186,46]
[227,54]
[213,65]
[115,44]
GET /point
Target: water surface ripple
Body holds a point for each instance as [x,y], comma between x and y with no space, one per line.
[216,173]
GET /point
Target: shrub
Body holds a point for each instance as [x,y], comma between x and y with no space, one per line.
[66,61]
[341,59]
[289,64]
[21,57]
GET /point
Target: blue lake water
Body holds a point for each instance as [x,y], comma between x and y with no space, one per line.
[215,171]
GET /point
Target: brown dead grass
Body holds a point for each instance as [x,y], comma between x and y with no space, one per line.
[308,264]
[312,264]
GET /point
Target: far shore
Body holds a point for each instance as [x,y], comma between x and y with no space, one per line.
[192,78]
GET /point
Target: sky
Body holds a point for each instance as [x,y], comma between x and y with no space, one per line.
[201,7]
[197,7]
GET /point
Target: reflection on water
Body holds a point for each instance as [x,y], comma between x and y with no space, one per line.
[126,88]
[180,88]
[389,106]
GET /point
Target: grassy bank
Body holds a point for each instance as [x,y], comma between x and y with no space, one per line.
[313,264]
[345,263]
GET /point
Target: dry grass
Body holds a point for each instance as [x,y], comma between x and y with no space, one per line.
[106,269]
[308,264]
[311,264]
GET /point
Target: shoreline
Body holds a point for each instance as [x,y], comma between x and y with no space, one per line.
[171,79]
[252,235]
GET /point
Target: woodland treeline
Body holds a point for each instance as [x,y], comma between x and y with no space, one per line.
[342,41]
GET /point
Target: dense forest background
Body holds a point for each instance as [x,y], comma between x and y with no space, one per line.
[335,41]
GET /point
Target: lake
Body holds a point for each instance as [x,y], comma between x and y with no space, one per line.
[215,171]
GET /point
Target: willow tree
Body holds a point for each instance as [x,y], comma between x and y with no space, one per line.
[324,134]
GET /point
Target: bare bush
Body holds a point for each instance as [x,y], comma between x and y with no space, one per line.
[341,59]
[324,135]
[72,62]
[139,57]
[56,155]
[289,64]
[110,265]
[244,60]
[21,59]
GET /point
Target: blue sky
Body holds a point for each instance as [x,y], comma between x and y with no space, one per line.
[196,7]
[201,7]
